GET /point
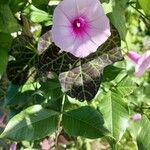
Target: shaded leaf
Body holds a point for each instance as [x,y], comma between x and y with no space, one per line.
[110,73]
[17,5]
[52,91]
[5,43]
[85,121]
[11,93]
[8,23]
[115,114]
[18,69]
[42,4]
[3,60]
[20,98]
[5,40]
[28,125]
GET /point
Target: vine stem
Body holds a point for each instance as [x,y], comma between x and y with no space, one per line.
[59,122]
[139,11]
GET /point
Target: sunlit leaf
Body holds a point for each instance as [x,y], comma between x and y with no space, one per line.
[145,4]
[115,113]
[125,87]
[36,15]
[32,123]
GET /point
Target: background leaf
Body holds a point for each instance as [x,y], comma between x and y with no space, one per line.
[8,23]
[145,4]
[117,16]
[17,5]
[125,87]
[140,130]
[5,43]
[36,15]
[115,113]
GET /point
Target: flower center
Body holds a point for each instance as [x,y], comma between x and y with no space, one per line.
[79,24]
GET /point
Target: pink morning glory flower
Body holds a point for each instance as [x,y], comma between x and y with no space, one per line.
[142,62]
[80,26]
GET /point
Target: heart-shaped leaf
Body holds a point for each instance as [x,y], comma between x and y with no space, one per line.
[80,78]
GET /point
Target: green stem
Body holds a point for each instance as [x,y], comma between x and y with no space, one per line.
[139,11]
[59,122]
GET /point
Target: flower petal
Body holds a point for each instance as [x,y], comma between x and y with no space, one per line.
[63,37]
[68,7]
[86,40]
[143,64]
[134,56]
[95,7]
[99,30]
[82,47]
[83,7]
[60,18]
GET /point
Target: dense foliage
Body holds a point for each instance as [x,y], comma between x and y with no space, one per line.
[52,99]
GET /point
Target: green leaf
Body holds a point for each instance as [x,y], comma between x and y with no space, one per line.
[117,16]
[83,80]
[3,60]
[5,40]
[32,123]
[140,130]
[145,4]
[110,73]
[18,69]
[11,93]
[42,4]
[125,87]
[84,121]
[115,113]
[52,91]
[17,5]
[8,23]
[36,15]
[5,43]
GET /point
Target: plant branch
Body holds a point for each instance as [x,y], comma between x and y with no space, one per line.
[59,122]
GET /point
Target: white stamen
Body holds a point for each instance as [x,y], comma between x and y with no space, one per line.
[78,24]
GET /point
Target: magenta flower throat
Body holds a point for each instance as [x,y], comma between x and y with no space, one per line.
[80,26]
